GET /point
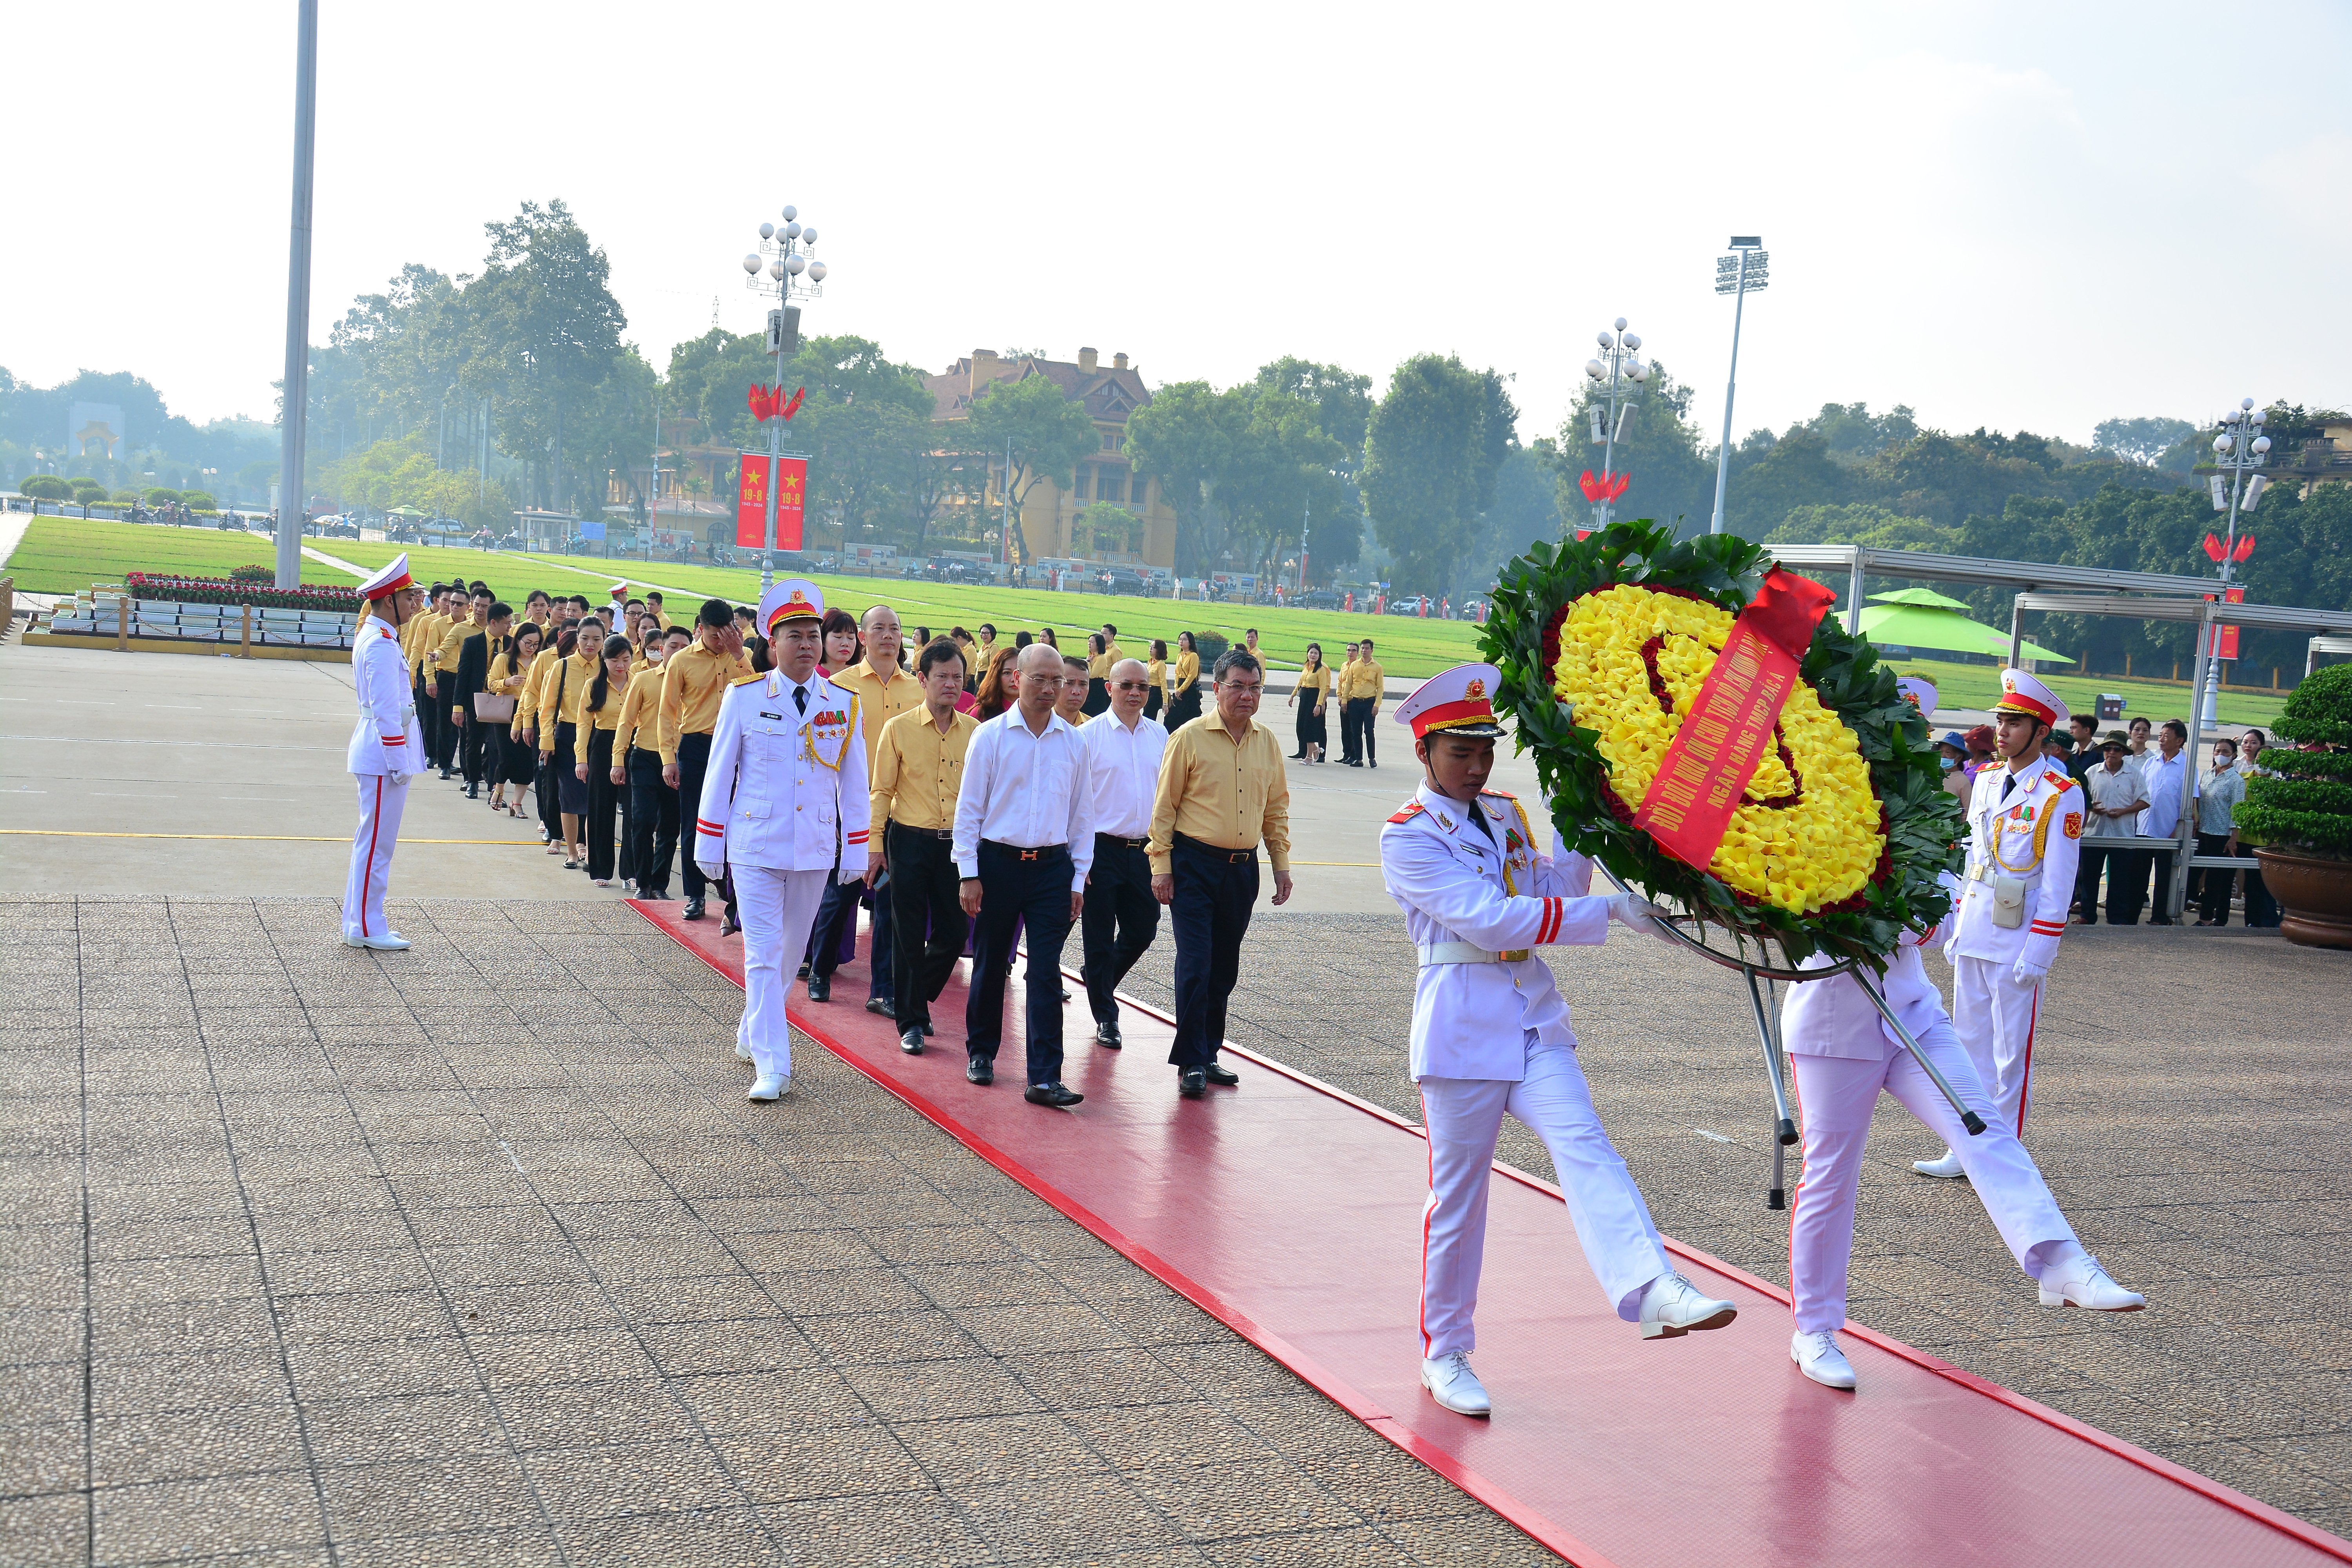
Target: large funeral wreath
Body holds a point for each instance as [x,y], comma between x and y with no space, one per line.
[1604,644]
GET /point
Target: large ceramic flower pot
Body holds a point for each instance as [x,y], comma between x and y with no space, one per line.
[2314,894]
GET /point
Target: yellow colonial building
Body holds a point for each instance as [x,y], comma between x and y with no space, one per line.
[1050,525]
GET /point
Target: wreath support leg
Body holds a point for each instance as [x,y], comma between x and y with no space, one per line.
[1968,1119]
[1784,1126]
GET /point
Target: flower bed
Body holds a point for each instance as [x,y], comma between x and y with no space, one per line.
[1837,842]
[221,591]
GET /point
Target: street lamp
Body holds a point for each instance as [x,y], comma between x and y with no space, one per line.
[1618,371]
[791,273]
[443,440]
[1747,267]
[2240,446]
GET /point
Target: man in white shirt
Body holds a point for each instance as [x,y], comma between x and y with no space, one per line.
[1024,840]
[1121,916]
[2161,772]
[2115,803]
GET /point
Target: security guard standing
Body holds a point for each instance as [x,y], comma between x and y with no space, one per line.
[783,803]
[2025,831]
[1490,1034]
[386,751]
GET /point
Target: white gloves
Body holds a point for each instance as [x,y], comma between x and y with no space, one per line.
[1952,942]
[400,781]
[2029,973]
[714,870]
[1635,913]
[851,874]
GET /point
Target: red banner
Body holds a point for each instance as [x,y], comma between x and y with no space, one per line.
[2225,638]
[751,501]
[1688,808]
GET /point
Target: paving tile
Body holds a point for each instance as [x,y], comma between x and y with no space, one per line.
[186,1445]
[356,1369]
[50,1458]
[1034,1449]
[597,1414]
[729,1538]
[581,1484]
[1086,1513]
[40,1531]
[848,1532]
[761,1403]
[208,1517]
[574,1355]
[124,1385]
[427,1496]
[382,1429]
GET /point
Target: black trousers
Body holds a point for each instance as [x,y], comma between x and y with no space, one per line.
[693,759]
[473,745]
[430,721]
[2210,891]
[1031,887]
[1119,921]
[1215,890]
[653,822]
[1356,724]
[837,927]
[2160,901]
[2126,883]
[926,924]
[550,800]
[596,822]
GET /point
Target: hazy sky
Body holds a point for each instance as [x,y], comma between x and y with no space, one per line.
[2027,216]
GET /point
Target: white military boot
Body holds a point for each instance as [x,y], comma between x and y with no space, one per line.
[743,1050]
[1947,1167]
[2079,1281]
[770,1086]
[390,941]
[1818,1357]
[1452,1385]
[1672,1306]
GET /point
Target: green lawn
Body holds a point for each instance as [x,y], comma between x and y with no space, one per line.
[1978,686]
[65,555]
[1407,645]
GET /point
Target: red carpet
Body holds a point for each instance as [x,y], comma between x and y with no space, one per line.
[1292,1213]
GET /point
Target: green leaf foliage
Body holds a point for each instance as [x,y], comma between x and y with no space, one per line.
[1924,821]
[2319,713]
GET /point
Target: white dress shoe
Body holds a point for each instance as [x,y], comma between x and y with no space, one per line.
[2079,1281]
[742,1051]
[1452,1385]
[1672,1306]
[1818,1358]
[390,941]
[770,1086]
[1947,1167]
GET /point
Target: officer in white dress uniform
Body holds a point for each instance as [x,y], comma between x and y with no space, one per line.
[386,751]
[1490,1034]
[2025,833]
[783,804]
[1843,1053]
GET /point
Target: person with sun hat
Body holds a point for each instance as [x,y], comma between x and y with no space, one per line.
[1491,1034]
[783,805]
[387,749]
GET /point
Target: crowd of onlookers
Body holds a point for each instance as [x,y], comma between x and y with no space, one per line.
[2131,781]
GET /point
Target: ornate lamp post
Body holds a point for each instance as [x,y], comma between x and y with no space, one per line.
[791,273]
[1617,373]
[2240,446]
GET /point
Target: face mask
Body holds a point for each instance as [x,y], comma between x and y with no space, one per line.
[1951,762]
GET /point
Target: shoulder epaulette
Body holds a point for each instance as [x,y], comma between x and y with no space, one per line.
[746,679]
[1499,794]
[2065,782]
[1412,809]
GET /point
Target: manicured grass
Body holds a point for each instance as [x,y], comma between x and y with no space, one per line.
[1407,645]
[65,555]
[1978,686]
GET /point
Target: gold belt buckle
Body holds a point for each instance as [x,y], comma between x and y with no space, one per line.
[1515,955]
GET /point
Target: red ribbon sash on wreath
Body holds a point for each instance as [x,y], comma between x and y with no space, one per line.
[1688,808]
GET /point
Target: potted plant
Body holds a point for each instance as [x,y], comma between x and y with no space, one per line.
[2298,811]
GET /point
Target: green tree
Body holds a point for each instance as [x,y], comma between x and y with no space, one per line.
[2142,440]
[1430,453]
[1044,432]
[46,486]
[1186,437]
[88,493]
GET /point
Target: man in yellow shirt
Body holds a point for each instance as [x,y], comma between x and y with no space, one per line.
[421,639]
[884,691]
[693,680]
[654,608]
[1366,686]
[1111,651]
[916,773]
[1223,790]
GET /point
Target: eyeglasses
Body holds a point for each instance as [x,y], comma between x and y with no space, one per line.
[1130,686]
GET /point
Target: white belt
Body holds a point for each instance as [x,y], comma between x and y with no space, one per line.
[1467,953]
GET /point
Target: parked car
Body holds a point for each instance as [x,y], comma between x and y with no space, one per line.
[1414,605]
[1126,580]
[1319,599]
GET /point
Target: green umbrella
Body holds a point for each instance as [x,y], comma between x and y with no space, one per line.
[1917,625]
[1927,596]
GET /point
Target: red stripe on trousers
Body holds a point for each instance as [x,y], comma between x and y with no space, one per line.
[375,826]
[2025,1074]
[1428,1212]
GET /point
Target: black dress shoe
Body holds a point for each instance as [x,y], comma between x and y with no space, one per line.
[820,987]
[473,792]
[1052,1094]
[1107,1034]
[1221,1075]
[881,1006]
[1065,998]
[1191,1083]
[804,972]
[927,1031]
[693,909]
[911,1042]
[980,1070]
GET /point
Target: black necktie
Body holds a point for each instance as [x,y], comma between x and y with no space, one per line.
[2008,783]
[800,697]
[1486,827]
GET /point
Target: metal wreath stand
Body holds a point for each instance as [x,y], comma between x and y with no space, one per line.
[1760,973]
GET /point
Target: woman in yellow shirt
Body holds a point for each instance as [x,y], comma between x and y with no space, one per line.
[600,721]
[1310,696]
[512,761]
[1183,684]
[561,690]
[1155,675]
[1097,676]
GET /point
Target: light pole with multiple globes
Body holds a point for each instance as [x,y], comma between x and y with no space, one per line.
[793,273]
[1617,372]
[2239,445]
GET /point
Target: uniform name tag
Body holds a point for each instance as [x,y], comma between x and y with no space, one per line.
[765,714]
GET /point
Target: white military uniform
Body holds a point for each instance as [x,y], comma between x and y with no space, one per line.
[1844,1053]
[2025,835]
[783,804]
[386,751]
[1491,1034]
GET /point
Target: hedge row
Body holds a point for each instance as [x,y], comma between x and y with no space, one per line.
[220,591]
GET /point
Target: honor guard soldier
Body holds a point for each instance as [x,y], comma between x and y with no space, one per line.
[2025,831]
[1844,1053]
[1491,1034]
[783,804]
[387,749]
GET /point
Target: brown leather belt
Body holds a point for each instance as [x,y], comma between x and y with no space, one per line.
[946,833]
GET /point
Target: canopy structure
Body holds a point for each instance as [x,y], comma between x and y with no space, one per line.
[1861,562]
[1927,597]
[405,511]
[1923,625]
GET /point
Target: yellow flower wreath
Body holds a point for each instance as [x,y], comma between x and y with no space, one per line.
[1807,833]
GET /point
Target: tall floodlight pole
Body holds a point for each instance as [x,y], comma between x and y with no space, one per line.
[1616,373]
[2238,447]
[1745,268]
[784,250]
[291,491]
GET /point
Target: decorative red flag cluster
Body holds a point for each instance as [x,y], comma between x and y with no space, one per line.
[1599,489]
[2215,550]
[1703,774]
[769,401]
